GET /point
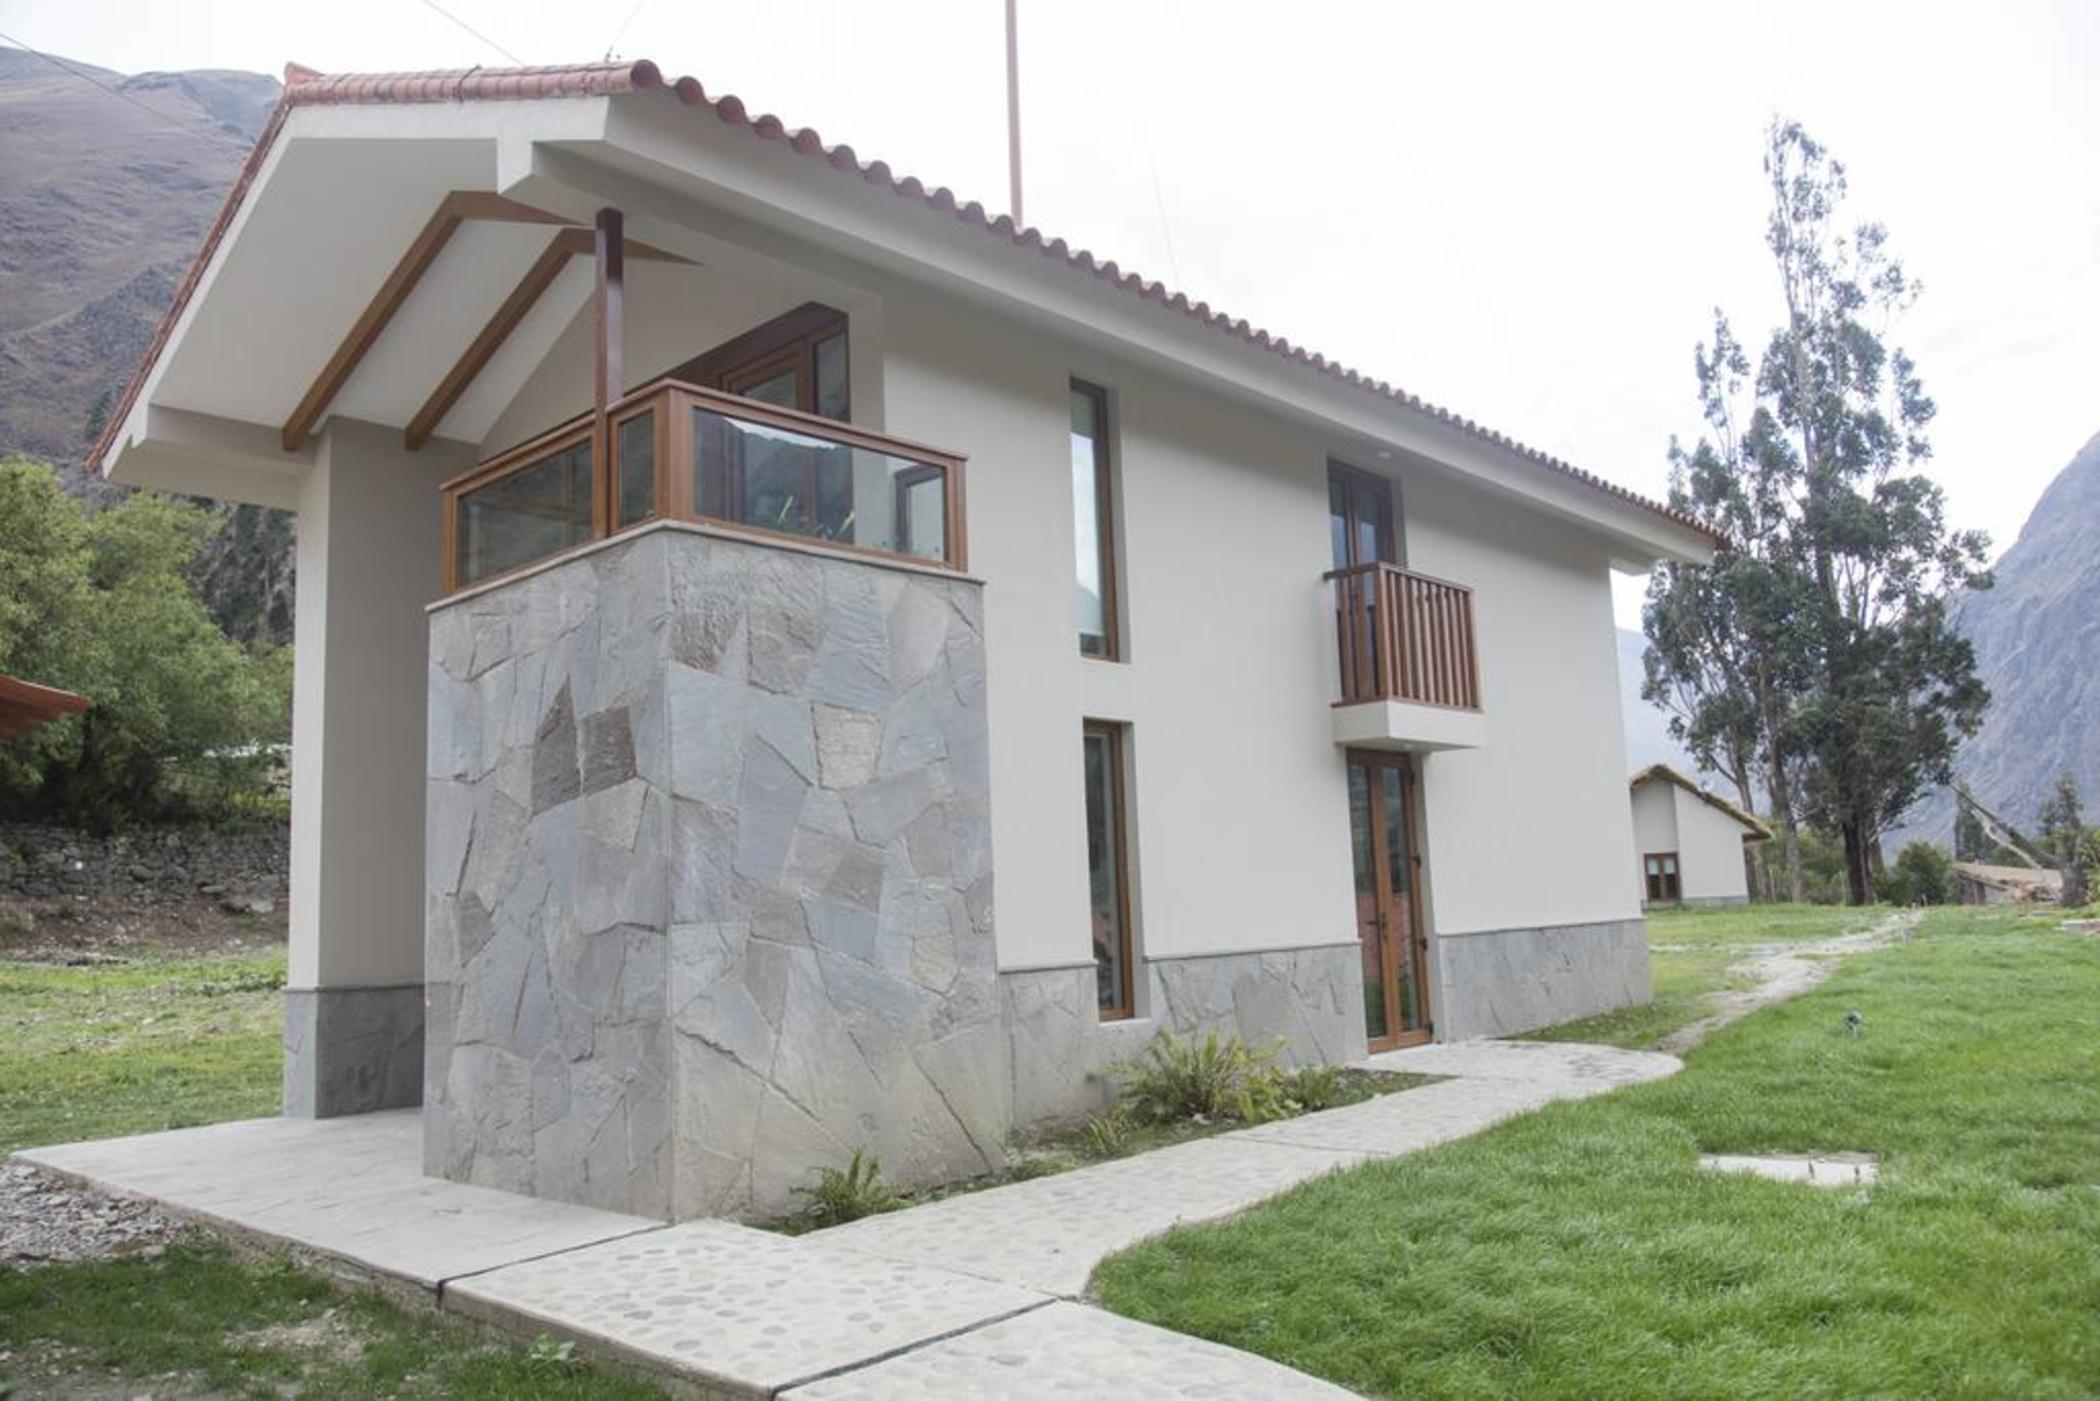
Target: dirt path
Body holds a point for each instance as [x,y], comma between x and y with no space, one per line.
[1783,971]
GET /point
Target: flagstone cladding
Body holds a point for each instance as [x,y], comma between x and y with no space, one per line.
[709,879]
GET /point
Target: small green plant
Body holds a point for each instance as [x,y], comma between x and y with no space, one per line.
[548,1355]
[849,1193]
[1215,1078]
[1315,1087]
[1108,1133]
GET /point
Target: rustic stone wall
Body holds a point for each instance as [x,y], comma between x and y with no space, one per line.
[709,879]
[245,869]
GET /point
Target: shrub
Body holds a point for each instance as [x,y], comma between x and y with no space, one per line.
[1315,1087]
[1215,1078]
[103,604]
[849,1193]
[1922,875]
[1108,1133]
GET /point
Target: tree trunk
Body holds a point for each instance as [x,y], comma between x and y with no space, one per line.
[1760,875]
[1859,882]
[1780,789]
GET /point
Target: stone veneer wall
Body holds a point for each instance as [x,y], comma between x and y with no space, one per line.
[709,878]
[1310,997]
[1506,981]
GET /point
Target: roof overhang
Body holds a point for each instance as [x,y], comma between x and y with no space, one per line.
[350,169]
[24,706]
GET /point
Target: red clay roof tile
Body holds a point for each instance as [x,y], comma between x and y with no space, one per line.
[306,88]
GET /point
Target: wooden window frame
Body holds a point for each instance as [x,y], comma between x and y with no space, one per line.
[1357,479]
[1663,887]
[788,340]
[1104,522]
[1114,735]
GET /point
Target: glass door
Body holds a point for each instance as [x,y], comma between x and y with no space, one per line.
[1381,837]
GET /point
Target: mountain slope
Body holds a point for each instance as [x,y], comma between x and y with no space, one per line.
[2037,640]
[103,201]
[105,193]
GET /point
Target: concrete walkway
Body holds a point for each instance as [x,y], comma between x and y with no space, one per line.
[973,1295]
[1781,971]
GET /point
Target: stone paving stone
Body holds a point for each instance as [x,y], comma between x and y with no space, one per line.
[742,1311]
[351,1189]
[1408,1122]
[1817,1170]
[1048,1233]
[1069,1350]
[1566,1069]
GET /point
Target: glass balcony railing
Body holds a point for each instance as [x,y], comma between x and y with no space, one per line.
[679,452]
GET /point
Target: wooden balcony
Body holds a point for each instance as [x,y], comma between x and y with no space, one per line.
[1410,669]
[674,451]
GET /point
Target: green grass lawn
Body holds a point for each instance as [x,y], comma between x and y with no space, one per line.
[198,1321]
[1579,1251]
[155,1042]
[1690,954]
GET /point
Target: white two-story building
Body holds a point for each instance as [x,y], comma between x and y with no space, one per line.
[789,661]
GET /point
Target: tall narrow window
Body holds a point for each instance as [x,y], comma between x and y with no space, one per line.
[1108,868]
[1093,521]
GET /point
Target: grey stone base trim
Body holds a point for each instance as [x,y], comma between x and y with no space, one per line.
[1504,981]
[1310,997]
[352,1050]
[1707,902]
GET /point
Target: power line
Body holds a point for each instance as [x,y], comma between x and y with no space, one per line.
[440,9]
[613,43]
[215,131]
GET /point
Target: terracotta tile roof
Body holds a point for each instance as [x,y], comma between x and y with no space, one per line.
[306,88]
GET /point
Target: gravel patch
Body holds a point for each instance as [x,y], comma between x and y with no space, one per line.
[44,1219]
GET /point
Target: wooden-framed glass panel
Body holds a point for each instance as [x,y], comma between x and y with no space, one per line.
[1659,869]
[675,451]
[525,514]
[1108,868]
[634,470]
[1388,922]
[775,478]
[1093,524]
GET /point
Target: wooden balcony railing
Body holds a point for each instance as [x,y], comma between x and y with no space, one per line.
[676,451]
[1405,637]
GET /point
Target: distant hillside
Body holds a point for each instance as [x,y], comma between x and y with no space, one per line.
[104,200]
[2037,640]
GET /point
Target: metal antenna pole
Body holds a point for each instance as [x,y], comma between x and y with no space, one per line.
[1013,113]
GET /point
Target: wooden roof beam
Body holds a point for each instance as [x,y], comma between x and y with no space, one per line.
[452,211]
[570,243]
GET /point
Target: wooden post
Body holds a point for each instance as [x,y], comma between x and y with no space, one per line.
[610,247]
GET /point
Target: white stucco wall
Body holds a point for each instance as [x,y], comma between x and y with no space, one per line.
[1532,829]
[1240,831]
[1239,819]
[368,558]
[1709,850]
[1654,818]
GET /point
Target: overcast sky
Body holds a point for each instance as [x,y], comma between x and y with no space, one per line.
[1523,212]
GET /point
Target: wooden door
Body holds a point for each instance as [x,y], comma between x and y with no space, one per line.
[1388,924]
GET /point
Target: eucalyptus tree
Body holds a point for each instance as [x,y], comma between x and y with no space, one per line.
[1821,643]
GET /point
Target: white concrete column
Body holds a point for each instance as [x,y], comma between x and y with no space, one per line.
[368,561]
